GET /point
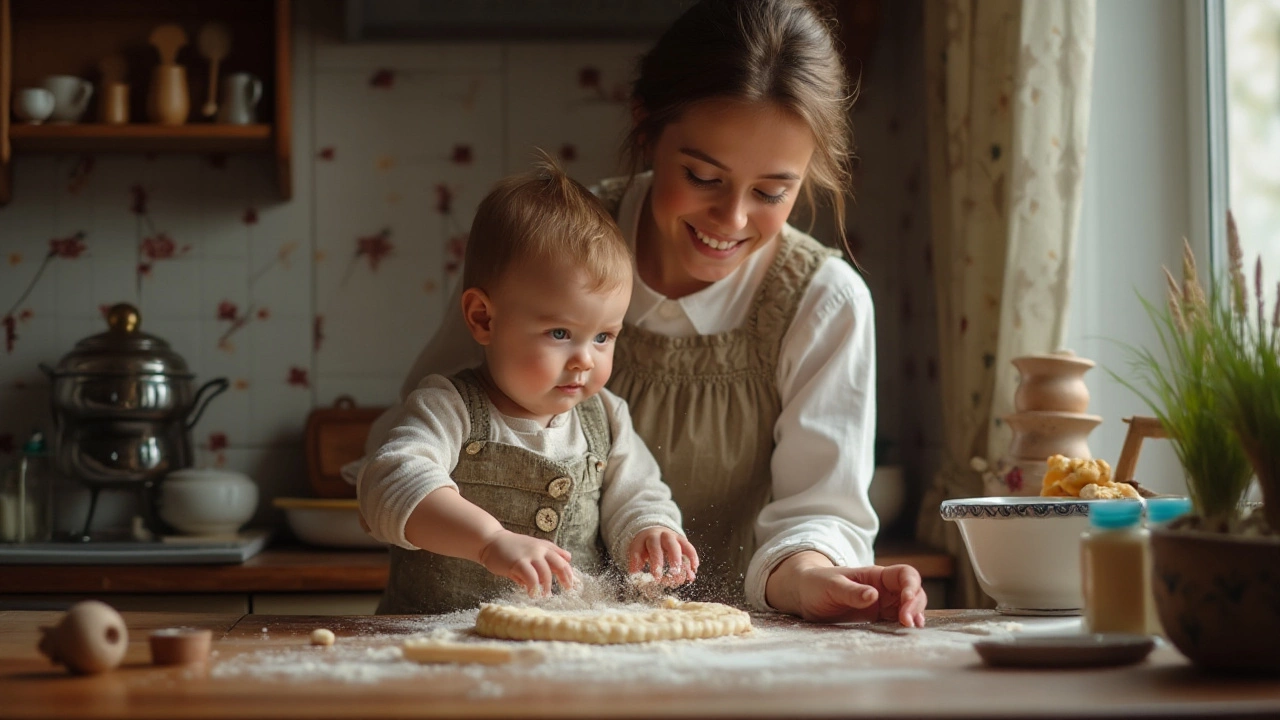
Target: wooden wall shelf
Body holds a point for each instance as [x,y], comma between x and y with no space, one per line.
[141,138]
[39,38]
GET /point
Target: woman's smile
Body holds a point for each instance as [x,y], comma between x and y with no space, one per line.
[712,245]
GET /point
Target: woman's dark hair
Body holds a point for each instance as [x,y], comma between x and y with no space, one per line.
[780,52]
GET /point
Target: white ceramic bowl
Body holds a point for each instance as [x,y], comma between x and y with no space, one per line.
[328,523]
[1025,550]
[207,502]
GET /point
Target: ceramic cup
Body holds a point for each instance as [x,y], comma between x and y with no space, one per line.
[70,97]
[241,93]
[32,105]
[207,502]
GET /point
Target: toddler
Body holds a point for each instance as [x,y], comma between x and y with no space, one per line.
[516,469]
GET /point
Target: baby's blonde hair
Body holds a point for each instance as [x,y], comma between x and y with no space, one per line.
[544,215]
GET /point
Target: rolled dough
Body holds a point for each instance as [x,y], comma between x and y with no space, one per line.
[675,620]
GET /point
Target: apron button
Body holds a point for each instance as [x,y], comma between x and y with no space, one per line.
[600,465]
[474,446]
[547,519]
[559,487]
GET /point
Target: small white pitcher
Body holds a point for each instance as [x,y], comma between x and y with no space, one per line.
[241,93]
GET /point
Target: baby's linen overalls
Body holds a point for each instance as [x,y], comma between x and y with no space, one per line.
[526,492]
[706,406]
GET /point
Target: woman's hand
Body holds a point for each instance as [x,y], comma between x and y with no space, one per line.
[808,585]
[528,561]
[669,556]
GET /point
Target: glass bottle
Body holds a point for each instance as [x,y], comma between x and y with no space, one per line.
[1116,567]
[26,495]
[1160,512]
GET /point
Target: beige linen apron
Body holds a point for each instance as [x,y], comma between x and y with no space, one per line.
[706,406]
[526,492]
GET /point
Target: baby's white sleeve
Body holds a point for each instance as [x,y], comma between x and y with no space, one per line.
[417,458]
[634,496]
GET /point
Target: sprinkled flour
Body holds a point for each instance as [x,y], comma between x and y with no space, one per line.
[779,651]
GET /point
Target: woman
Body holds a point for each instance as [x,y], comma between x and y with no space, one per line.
[748,358]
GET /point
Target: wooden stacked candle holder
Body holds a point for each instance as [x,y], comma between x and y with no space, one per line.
[1050,418]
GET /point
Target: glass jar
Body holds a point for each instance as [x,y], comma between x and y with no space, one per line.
[26,495]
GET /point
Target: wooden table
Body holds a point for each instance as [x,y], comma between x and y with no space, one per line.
[263,667]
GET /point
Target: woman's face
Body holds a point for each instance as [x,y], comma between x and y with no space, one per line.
[725,177]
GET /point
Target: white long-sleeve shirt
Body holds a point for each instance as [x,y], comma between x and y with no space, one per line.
[432,426]
[823,458]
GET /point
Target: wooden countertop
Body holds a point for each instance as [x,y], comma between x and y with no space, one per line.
[263,667]
[289,569]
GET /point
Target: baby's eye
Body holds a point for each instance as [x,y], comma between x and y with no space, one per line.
[604,337]
[559,334]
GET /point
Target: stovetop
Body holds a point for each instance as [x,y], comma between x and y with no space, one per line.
[169,550]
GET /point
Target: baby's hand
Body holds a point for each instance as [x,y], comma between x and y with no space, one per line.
[528,561]
[669,556]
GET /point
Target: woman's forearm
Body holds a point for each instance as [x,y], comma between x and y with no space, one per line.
[446,523]
[782,589]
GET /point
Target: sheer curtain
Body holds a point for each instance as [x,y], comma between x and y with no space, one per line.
[1007,85]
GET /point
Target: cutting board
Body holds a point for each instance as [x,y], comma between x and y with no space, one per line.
[334,437]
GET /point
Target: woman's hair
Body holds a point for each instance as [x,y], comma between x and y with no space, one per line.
[781,52]
[544,215]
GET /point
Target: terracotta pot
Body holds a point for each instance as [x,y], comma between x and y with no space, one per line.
[1052,382]
[1218,597]
[1039,434]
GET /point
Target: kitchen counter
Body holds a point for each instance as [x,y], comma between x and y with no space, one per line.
[264,667]
[289,569]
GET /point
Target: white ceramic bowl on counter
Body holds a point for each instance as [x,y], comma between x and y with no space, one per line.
[326,522]
[1025,550]
[207,502]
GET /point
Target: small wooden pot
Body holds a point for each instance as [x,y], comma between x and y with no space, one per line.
[180,646]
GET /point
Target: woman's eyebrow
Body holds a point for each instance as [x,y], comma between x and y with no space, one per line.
[699,155]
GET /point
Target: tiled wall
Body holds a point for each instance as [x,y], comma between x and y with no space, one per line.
[334,292]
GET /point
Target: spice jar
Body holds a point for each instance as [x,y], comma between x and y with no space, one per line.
[1116,570]
[26,495]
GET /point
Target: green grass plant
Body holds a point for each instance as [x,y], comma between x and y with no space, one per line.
[1182,386]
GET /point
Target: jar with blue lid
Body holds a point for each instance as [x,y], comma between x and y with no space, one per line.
[1114,561]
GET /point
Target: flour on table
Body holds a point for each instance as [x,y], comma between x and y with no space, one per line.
[779,652]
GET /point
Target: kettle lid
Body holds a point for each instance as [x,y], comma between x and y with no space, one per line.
[122,350]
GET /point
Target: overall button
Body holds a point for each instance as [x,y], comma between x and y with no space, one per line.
[559,487]
[474,446]
[547,519]
[601,465]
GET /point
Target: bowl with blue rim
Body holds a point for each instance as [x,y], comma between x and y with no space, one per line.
[1025,551]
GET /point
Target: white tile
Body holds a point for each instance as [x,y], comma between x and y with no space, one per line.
[279,347]
[551,108]
[332,54]
[171,290]
[365,390]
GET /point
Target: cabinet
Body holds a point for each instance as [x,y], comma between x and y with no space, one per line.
[39,38]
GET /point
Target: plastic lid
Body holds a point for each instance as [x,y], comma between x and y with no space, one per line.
[35,444]
[1163,510]
[1115,514]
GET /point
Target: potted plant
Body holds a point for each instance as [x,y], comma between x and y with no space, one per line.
[1216,391]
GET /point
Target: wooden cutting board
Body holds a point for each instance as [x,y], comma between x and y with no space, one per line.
[334,437]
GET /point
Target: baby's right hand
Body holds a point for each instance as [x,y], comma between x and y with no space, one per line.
[528,561]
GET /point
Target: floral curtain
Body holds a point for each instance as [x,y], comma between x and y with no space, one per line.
[1007,84]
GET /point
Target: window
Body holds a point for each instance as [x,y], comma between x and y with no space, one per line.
[1251,29]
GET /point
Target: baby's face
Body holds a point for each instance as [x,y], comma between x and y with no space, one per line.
[552,339]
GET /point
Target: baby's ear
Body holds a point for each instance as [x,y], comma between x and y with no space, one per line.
[477,311]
